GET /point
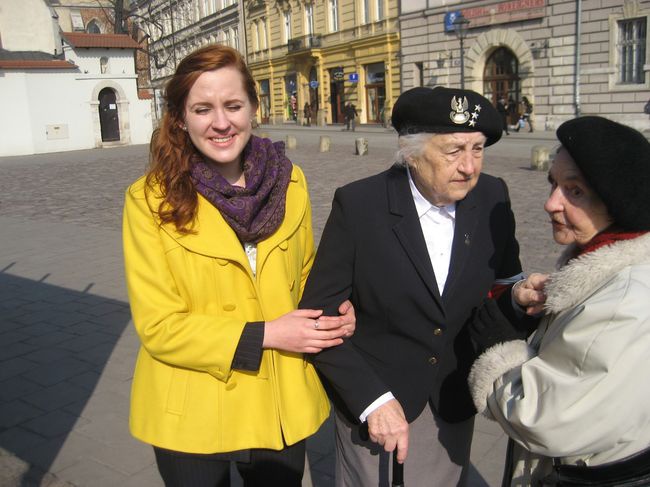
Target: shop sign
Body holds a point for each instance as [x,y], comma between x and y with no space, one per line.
[337,74]
[502,12]
[354,77]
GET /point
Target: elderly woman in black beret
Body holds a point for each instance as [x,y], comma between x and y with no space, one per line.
[574,398]
[415,248]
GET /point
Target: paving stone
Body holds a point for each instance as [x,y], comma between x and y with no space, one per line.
[16,387]
[57,371]
[57,396]
[19,440]
[16,412]
[15,366]
[53,424]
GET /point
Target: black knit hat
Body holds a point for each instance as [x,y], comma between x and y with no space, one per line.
[615,160]
[446,110]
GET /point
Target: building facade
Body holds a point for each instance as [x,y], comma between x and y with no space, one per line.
[174,28]
[65,90]
[325,53]
[568,57]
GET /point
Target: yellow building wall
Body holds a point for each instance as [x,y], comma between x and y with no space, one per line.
[352,48]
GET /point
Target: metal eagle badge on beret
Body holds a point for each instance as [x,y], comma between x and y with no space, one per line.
[460,114]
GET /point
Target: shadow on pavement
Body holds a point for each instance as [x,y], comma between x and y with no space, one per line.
[54,347]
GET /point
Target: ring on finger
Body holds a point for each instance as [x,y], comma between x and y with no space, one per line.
[316,324]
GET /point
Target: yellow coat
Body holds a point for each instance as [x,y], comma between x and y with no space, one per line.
[191,296]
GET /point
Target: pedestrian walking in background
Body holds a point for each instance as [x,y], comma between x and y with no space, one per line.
[502,108]
[573,399]
[415,248]
[217,245]
[527,112]
[350,114]
[307,113]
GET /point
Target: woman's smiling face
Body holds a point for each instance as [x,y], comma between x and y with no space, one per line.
[218,116]
[577,213]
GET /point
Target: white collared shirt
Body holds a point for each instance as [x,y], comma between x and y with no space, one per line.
[437,224]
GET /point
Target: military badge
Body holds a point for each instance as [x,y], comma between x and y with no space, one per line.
[459,115]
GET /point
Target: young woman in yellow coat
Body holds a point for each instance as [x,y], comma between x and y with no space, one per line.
[218,244]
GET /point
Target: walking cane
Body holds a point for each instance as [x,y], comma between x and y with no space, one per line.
[398,468]
[398,472]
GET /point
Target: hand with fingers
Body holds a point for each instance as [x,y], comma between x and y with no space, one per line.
[387,426]
[488,326]
[529,293]
[346,319]
[303,331]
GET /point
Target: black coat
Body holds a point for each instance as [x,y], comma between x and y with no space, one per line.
[409,339]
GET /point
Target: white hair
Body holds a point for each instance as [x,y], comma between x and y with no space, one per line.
[411,146]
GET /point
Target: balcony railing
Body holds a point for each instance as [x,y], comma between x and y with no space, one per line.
[305,42]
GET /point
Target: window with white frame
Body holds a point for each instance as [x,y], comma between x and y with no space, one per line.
[631,50]
[256,39]
[365,11]
[227,41]
[379,9]
[334,15]
[235,38]
[263,43]
[309,19]
[287,25]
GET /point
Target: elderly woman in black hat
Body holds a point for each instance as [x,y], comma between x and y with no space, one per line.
[574,399]
[415,248]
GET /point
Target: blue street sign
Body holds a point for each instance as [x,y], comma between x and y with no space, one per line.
[354,77]
[449,20]
[313,84]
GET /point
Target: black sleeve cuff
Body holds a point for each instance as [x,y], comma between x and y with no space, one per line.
[248,355]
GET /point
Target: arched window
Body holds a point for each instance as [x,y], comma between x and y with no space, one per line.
[93,27]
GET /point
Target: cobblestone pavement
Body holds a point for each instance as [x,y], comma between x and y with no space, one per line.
[66,345]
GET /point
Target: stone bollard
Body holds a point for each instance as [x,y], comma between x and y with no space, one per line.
[264,135]
[291,142]
[539,159]
[324,143]
[361,145]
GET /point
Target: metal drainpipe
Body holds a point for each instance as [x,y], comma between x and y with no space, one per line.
[576,88]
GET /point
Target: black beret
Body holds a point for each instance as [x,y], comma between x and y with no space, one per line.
[446,110]
[615,161]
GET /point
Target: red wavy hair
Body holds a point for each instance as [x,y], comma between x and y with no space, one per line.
[171,149]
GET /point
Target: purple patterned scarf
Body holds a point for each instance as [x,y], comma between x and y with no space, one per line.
[256,211]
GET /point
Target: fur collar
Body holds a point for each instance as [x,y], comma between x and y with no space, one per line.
[579,277]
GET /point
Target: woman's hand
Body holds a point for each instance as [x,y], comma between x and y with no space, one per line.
[305,331]
[529,293]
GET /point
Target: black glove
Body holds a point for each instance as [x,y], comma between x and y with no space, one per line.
[488,326]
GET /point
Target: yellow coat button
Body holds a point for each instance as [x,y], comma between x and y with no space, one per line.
[230,386]
[284,245]
[433,360]
[437,331]
[222,262]
[229,307]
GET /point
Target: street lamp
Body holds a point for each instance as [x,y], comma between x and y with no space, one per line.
[460,26]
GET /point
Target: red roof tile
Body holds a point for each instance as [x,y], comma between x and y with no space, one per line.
[118,41]
[35,64]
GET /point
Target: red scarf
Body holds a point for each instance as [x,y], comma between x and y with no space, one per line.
[607,238]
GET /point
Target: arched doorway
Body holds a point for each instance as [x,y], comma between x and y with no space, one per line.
[108,119]
[501,78]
